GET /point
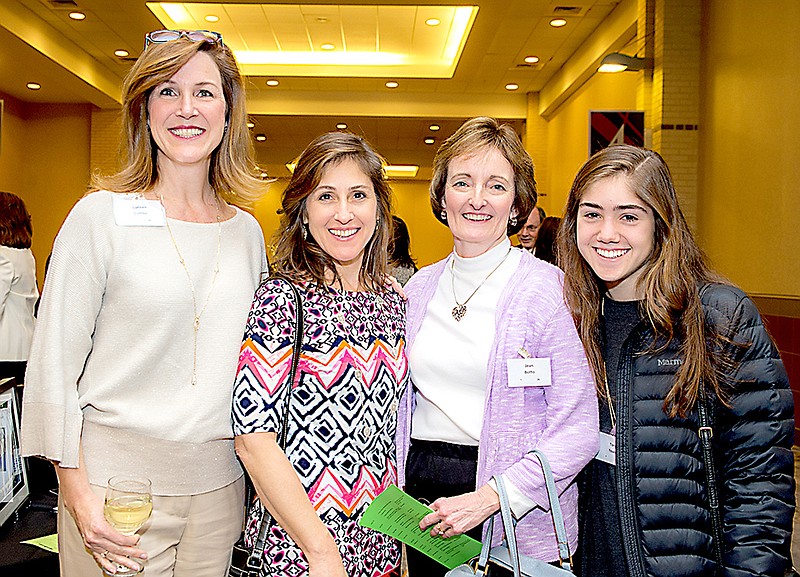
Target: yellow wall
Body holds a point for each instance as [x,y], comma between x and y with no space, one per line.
[568,131]
[45,161]
[430,240]
[750,143]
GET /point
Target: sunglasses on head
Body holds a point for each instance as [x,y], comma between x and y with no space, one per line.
[162,36]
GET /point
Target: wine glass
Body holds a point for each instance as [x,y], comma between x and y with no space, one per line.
[128,504]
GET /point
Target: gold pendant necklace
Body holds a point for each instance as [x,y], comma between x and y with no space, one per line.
[197,316]
[460,309]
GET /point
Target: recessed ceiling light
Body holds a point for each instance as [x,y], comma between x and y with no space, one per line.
[434,127]
[77,15]
[251,124]
[272,82]
[558,22]
[341,126]
[212,18]
[33,85]
[429,140]
[392,84]
[512,86]
[531,59]
[121,53]
[328,46]
[433,22]
[261,137]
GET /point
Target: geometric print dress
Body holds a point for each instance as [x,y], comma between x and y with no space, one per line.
[342,417]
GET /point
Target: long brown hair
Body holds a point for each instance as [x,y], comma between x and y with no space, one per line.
[232,173]
[16,230]
[302,259]
[670,280]
[472,136]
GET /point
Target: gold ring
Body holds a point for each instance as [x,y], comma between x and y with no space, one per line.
[104,554]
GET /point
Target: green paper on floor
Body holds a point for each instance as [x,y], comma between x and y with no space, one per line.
[48,542]
[397,514]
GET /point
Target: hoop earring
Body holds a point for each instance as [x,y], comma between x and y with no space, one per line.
[443,214]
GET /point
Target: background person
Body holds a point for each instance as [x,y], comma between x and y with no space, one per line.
[133,359]
[18,290]
[545,246]
[483,309]
[402,264]
[663,331]
[527,234]
[340,453]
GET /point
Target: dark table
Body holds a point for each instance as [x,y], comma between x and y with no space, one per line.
[19,560]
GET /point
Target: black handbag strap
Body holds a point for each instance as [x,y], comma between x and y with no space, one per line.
[706,432]
[256,558]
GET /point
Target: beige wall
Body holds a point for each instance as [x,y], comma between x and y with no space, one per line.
[45,160]
[568,132]
[749,198]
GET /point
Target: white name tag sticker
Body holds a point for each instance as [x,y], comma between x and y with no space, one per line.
[133,210]
[529,372]
[608,449]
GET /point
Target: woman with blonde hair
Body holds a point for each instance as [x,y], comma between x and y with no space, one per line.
[342,406]
[695,472]
[146,299]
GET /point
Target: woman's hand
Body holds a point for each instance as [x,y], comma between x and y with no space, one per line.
[108,546]
[453,516]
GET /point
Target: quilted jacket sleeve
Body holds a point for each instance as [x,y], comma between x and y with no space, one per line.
[753,441]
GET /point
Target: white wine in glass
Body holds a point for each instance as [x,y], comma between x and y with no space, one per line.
[129,503]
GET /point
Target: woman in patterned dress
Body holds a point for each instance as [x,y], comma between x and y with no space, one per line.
[332,245]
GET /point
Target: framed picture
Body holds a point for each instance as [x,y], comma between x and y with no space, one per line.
[608,127]
[13,476]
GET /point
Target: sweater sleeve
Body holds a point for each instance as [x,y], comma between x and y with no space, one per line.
[570,437]
[51,413]
[753,443]
[6,278]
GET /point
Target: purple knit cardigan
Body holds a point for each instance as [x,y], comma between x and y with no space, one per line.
[560,419]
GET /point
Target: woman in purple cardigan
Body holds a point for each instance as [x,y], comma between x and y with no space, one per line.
[476,321]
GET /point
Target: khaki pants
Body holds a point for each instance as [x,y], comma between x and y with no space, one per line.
[189,536]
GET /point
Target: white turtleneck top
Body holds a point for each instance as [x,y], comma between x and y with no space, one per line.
[449,358]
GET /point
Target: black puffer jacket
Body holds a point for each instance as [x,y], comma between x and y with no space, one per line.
[661,486]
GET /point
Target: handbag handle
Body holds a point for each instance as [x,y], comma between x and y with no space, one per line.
[256,558]
[509,524]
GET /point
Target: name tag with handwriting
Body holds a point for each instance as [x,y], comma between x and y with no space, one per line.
[133,210]
[529,372]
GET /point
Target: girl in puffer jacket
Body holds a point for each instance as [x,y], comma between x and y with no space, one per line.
[682,363]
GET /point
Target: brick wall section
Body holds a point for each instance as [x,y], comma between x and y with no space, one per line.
[535,140]
[673,104]
[105,146]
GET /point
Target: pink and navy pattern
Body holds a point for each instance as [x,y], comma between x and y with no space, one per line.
[343,414]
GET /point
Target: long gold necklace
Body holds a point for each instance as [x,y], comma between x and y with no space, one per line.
[197,315]
[460,309]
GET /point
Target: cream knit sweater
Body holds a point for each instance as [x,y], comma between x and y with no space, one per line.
[111,361]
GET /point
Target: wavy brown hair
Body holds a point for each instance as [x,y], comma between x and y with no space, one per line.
[16,230]
[303,259]
[472,136]
[232,173]
[670,281]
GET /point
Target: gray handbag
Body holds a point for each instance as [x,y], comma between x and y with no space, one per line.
[506,555]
